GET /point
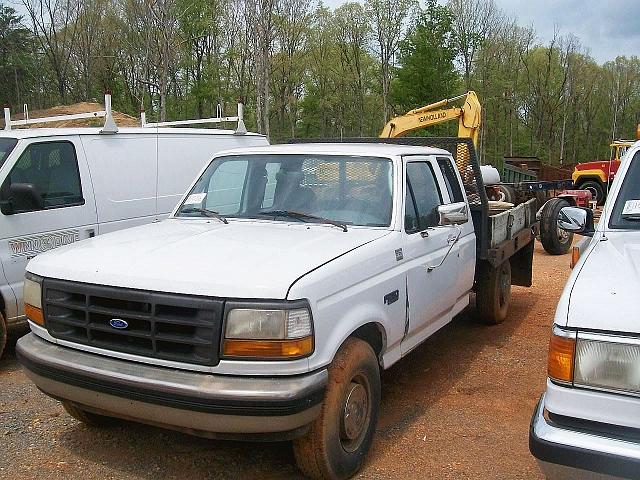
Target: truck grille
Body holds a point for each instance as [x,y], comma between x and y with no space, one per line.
[181,328]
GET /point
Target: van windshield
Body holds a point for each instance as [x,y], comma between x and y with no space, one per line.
[346,189]
[626,210]
[6,146]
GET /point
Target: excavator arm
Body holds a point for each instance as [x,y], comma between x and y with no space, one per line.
[468,117]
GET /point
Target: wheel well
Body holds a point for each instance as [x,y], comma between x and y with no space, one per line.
[373,334]
[2,307]
[582,180]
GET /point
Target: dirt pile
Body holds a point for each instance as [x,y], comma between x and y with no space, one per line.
[122,119]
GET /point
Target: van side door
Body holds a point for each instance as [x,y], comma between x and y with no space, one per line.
[430,290]
[46,201]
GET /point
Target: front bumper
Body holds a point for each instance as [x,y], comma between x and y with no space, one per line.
[564,453]
[199,403]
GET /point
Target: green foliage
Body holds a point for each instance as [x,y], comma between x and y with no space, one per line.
[426,70]
[17,58]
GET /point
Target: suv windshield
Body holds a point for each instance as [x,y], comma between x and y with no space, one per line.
[341,189]
[626,211]
[6,146]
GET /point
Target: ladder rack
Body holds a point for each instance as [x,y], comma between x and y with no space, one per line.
[241,129]
[109,123]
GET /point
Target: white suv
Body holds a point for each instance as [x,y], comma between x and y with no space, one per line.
[587,424]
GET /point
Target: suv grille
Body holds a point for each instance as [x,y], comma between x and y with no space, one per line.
[181,328]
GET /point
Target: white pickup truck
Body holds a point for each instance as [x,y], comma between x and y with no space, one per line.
[587,423]
[269,301]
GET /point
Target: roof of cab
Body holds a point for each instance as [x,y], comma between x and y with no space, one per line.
[65,132]
[357,149]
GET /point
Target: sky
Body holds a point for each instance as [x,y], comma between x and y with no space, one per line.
[606,28]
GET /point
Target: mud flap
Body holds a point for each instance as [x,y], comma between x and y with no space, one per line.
[522,265]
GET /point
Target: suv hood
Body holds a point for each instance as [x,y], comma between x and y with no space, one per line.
[242,259]
[605,293]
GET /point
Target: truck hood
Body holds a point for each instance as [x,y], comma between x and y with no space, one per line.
[605,293]
[242,259]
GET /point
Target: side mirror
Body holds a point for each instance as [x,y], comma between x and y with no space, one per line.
[22,197]
[576,220]
[453,214]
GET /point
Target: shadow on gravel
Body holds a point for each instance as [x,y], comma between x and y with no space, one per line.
[409,389]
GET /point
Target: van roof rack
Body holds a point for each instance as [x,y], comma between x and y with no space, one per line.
[109,123]
[241,129]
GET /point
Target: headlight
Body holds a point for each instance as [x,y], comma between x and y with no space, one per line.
[268,333]
[607,362]
[32,294]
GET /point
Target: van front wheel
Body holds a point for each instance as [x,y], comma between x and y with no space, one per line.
[337,443]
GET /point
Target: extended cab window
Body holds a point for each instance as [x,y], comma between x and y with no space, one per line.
[45,176]
[451,180]
[626,211]
[345,189]
[422,197]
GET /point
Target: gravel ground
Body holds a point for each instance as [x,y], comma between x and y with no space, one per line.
[456,408]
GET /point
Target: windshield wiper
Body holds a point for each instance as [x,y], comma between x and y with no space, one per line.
[303,216]
[205,212]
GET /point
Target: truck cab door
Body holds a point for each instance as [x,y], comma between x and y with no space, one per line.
[46,201]
[431,278]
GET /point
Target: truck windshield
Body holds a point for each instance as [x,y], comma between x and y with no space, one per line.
[345,189]
[626,210]
[6,146]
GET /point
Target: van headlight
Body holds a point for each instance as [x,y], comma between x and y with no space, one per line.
[32,294]
[607,362]
[268,333]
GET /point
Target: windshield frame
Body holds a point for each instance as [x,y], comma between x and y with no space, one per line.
[393,172]
[7,149]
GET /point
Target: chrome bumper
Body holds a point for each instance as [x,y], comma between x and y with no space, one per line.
[564,453]
[199,403]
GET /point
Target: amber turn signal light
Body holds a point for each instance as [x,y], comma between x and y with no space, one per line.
[268,349]
[562,347]
[34,314]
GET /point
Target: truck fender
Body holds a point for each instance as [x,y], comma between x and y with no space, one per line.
[592,174]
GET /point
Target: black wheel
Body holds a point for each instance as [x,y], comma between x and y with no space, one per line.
[554,240]
[507,193]
[493,292]
[3,334]
[337,443]
[88,418]
[596,189]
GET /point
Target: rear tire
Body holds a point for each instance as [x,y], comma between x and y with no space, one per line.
[337,443]
[554,240]
[3,334]
[493,292]
[88,418]
[508,192]
[596,189]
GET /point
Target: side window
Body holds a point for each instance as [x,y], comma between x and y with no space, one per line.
[451,180]
[224,192]
[49,172]
[422,197]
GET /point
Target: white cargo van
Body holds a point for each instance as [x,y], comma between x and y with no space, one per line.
[58,186]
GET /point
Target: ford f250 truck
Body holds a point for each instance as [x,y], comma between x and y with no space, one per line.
[268,303]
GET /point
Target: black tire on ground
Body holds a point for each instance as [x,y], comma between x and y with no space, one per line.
[554,240]
[493,292]
[88,418]
[3,334]
[596,189]
[337,443]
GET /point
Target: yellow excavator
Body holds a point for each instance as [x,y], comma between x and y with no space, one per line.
[468,116]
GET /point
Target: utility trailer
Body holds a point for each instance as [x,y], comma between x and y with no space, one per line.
[504,240]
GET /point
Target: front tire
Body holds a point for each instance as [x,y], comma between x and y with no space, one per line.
[493,292]
[337,443]
[554,240]
[88,418]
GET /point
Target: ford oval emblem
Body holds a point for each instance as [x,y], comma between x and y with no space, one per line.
[118,323]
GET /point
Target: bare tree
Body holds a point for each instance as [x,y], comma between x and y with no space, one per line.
[389,19]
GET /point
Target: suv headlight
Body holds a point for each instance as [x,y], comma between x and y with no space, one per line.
[32,294]
[268,333]
[608,362]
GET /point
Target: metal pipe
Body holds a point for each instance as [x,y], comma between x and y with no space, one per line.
[7,118]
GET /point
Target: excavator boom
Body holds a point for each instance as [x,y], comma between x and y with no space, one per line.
[468,117]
